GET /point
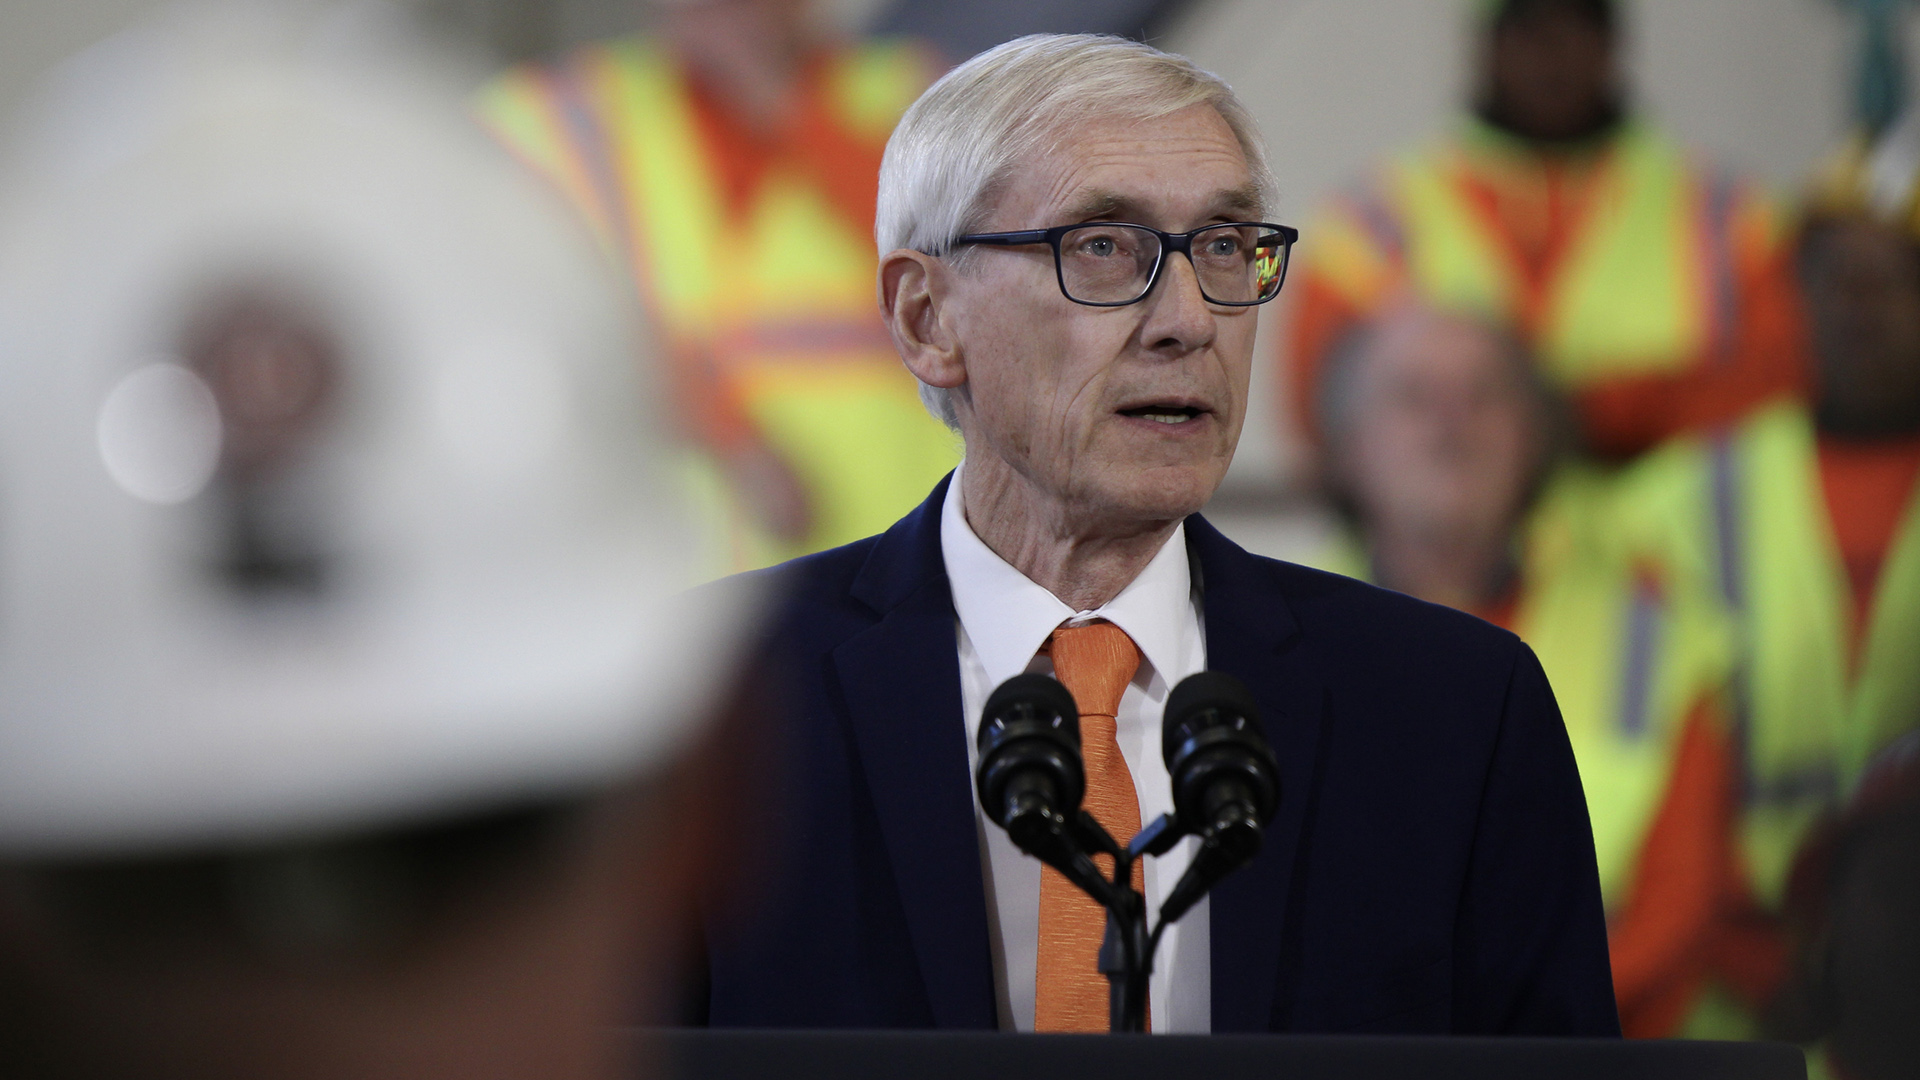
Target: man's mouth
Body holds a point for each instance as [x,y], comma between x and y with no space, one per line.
[1164,414]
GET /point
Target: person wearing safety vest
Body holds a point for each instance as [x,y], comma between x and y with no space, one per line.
[731,163]
[1441,455]
[1807,520]
[1652,290]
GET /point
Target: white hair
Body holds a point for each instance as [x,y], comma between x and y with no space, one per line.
[955,147]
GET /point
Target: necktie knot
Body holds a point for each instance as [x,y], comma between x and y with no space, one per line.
[1095,662]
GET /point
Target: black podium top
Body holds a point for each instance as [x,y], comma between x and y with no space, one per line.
[689,1054]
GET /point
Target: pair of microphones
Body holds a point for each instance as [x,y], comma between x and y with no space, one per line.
[1226,789]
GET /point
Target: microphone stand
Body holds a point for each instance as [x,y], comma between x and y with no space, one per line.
[1126,955]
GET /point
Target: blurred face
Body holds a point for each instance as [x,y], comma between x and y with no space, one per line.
[747,50]
[1863,298]
[1117,414]
[1550,72]
[760,23]
[1445,436]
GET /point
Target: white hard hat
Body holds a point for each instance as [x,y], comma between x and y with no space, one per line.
[478,596]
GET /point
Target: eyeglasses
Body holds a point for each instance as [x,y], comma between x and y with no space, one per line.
[1113,263]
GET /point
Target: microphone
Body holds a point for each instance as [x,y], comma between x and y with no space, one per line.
[1030,776]
[1226,780]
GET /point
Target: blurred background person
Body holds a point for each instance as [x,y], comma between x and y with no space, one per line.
[350,724]
[730,160]
[1442,449]
[1650,289]
[1854,905]
[1805,519]
[1438,440]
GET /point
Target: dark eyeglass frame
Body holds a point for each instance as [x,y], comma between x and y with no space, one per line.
[1169,242]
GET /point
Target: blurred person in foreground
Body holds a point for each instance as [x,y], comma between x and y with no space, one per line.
[728,161]
[1651,290]
[1074,267]
[1440,449]
[1807,520]
[348,723]
[1854,906]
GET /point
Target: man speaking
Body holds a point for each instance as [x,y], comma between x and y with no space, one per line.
[1075,260]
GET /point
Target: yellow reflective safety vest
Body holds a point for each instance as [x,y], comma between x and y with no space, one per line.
[1743,510]
[1646,285]
[780,301]
[1631,650]
[1629,656]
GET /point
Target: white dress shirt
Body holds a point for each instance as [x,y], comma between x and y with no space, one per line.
[1004,618]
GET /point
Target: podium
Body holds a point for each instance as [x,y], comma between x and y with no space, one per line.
[696,1054]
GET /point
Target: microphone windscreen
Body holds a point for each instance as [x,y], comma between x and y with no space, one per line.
[1196,694]
[1046,695]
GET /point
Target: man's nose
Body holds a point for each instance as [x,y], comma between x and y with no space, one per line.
[1179,319]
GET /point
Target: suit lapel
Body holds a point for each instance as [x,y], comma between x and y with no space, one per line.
[1251,634]
[900,679]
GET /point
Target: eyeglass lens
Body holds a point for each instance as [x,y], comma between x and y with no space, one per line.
[1107,263]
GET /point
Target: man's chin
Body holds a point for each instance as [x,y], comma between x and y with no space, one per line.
[1156,495]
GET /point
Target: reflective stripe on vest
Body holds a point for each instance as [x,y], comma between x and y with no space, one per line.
[1646,286]
[1807,728]
[1743,510]
[1628,658]
[782,302]
[1630,655]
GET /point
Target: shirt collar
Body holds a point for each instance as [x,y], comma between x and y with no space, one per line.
[1008,616]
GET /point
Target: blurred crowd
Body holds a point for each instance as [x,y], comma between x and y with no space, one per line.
[1554,369]
[1562,374]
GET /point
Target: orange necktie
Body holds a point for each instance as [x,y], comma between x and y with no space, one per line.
[1095,662]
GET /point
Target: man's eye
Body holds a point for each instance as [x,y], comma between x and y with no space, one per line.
[1101,246]
[1224,246]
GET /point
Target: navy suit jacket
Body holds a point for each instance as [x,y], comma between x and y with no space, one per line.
[1430,870]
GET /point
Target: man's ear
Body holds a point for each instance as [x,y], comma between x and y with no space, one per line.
[913,290]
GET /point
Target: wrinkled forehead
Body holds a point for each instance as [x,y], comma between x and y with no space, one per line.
[1154,169]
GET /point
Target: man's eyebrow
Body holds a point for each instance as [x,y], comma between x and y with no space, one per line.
[1095,204]
[1242,202]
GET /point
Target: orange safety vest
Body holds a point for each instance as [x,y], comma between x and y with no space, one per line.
[767,310]
[1640,661]
[1741,510]
[1629,658]
[1644,269]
